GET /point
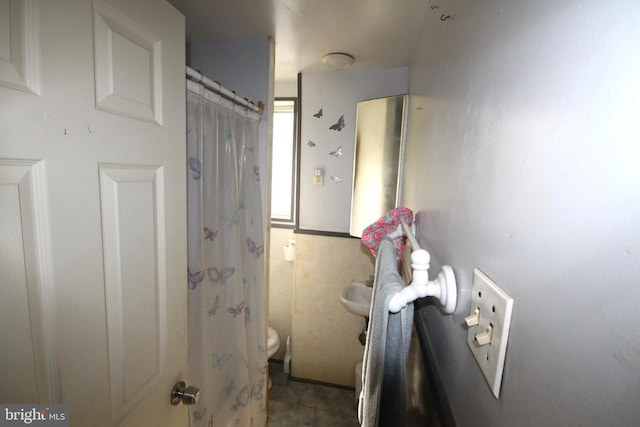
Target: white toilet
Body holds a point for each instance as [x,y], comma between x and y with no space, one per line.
[273,344]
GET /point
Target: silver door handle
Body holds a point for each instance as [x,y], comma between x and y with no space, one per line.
[186,395]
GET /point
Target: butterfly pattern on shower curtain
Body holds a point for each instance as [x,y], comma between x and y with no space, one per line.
[241,309]
[196,167]
[254,249]
[216,305]
[199,414]
[232,220]
[210,234]
[227,310]
[194,278]
[220,275]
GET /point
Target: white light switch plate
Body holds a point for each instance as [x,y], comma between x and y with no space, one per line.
[318,177]
[495,308]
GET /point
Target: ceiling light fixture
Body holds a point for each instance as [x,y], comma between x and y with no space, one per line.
[338,61]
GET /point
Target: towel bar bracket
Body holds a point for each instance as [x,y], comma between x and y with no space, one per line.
[443,287]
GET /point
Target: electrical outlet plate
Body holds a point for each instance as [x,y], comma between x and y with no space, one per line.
[495,308]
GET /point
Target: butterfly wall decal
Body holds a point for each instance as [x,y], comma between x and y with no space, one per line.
[195,278]
[220,275]
[318,114]
[256,173]
[255,250]
[339,125]
[337,152]
[336,179]
[310,143]
[196,167]
[210,234]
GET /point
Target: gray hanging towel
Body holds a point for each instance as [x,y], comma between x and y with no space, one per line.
[383,398]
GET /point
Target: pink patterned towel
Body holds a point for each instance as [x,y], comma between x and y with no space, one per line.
[387,224]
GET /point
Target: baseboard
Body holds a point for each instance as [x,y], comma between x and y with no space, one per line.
[305,380]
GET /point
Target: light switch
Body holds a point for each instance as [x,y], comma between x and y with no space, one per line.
[488,324]
[473,319]
[484,338]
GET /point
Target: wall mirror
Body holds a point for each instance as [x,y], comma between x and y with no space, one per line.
[378,161]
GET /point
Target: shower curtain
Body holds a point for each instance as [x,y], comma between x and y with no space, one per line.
[227,308]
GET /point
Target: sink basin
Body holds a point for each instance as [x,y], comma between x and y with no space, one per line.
[356,298]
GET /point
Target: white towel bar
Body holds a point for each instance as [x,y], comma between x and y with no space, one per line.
[443,288]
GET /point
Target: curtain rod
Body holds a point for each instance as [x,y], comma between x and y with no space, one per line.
[198,77]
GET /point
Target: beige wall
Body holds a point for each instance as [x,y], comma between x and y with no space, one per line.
[325,344]
[280,287]
[304,304]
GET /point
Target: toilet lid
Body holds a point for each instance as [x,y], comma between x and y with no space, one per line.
[272,338]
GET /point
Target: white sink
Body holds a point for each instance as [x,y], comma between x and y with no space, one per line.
[356,298]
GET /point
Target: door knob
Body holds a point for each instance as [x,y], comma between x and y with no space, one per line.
[186,395]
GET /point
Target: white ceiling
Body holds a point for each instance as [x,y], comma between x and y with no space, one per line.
[378,33]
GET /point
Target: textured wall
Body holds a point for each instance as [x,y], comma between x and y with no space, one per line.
[325,344]
[280,287]
[522,160]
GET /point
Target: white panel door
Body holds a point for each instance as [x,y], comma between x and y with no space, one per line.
[93,208]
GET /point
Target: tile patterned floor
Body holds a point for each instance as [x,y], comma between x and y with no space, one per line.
[296,404]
